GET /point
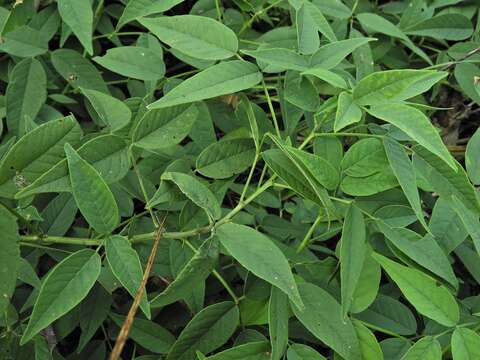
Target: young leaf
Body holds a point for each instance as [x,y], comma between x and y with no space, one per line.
[214,42]
[465,344]
[35,153]
[220,79]
[258,254]
[91,193]
[62,289]
[403,169]
[78,15]
[207,331]
[133,61]
[9,256]
[323,318]
[197,192]
[352,255]
[125,265]
[416,125]
[426,295]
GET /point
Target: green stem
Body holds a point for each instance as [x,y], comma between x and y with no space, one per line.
[272,111]
[250,175]
[308,235]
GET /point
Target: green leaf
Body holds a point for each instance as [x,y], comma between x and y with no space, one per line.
[215,42]
[303,352]
[26,93]
[330,55]
[416,125]
[78,15]
[35,153]
[197,192]
[62,289]
[423,250]
[472,158]
[320,21]
[9,256]
[364,158]
[469,220]
[258,350]
[465,74]
[427,348]
[283,58]
[320,169]
[352,255]
[147,334]
[370,185]
[423,292]
[403,169]
[207,331]
[106,153]
[195,271]
[278,314]
[348,112]
[77,70]
[136,9]
[445,27]
[125,265]
[465,344]
[395,85]
[59,215]
[91,193]
[24,42]
[226,158]
[367,286]
[369,347]
[327,76]
[445,180]
[258,254]
[162,128]
[112,113]
[307,33]
[94,310]
[134,62]
[389,314]
[322,316]
[220,79]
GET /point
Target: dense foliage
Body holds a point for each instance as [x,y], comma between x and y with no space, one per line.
[240,179]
